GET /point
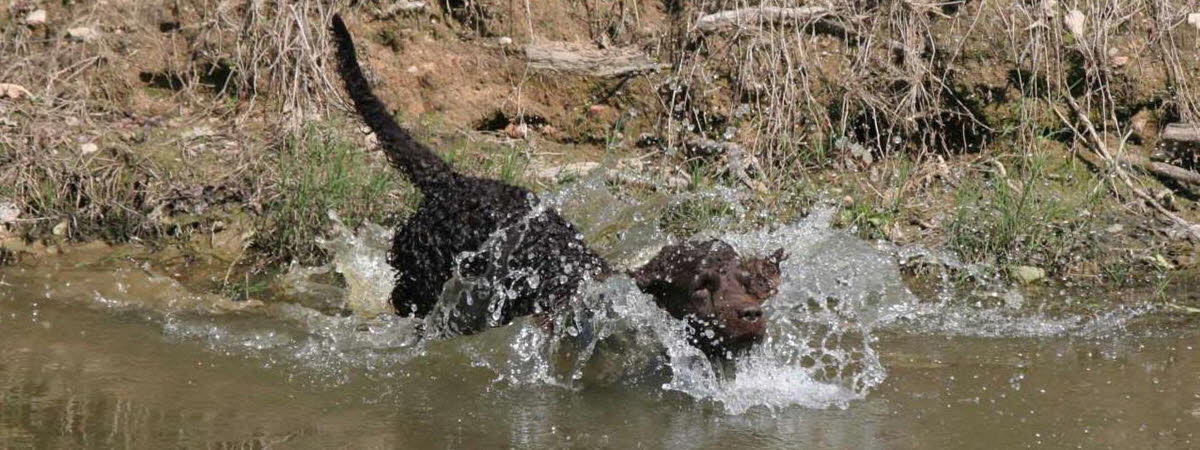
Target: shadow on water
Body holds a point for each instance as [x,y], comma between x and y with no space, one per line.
[112,352]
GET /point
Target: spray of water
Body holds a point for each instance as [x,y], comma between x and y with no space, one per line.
[837,293]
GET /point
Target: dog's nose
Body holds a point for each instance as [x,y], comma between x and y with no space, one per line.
[750,314]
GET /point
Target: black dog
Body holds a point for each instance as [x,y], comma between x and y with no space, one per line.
[512,256]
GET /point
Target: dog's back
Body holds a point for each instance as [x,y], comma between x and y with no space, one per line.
[506,259]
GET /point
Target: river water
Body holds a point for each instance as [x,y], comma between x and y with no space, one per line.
[111,349]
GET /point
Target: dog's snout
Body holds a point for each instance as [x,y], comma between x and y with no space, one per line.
[750,314]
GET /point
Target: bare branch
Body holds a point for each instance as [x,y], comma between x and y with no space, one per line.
[766,14]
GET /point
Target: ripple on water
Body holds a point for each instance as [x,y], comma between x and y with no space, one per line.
[837,292]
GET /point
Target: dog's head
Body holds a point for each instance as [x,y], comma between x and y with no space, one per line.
[718,292]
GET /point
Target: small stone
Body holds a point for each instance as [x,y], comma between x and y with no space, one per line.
[1027,274]
[1115,228]
[83,34]
[578,169]
[1141,123]
[1014,300]
[1075,22]
[9,212]
[1160,262]
[60,229]
[412,69]
[89,148]
[1050,7]
[1187,260]
[37,17]
[505,40]
[13,91]
[517,131]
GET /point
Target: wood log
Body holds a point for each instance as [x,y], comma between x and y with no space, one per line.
[1181,132]
[1162,169]
[580,59]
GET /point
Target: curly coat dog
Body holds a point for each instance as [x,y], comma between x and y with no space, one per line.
[528,257]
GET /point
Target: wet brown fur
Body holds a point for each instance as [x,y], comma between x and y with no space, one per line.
[490,232]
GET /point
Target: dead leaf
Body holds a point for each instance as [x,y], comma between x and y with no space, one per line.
[13,91]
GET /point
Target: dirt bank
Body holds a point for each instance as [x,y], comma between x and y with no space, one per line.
[1002,132]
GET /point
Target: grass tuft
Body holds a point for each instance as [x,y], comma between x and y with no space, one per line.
[319,171]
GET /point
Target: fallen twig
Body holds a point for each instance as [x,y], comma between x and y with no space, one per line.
[1098,145]
[766,14]
[1154,167]
[1182,308]
[804,15]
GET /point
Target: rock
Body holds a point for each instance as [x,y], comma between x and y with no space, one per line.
[505,40]
[517,131]
[197,132]
[1050,7]
[1027,274]
[83,34]
[13,91]
[1188,260]
[1014,300]
[1160,262]
[1143,123]
[1075,22]
[1116,58]
[89,148]
[9,212]
[401,7]
[578,169]
[598,110]
[38,17]
[60,229]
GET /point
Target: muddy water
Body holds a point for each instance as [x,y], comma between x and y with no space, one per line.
[105,348]
[88,375]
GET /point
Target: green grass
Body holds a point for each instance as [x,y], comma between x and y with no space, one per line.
[507,163]
[320,172]
[1040,211]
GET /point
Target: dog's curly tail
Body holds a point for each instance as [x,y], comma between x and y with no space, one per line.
[422,166]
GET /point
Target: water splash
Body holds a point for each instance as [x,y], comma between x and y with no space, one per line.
[837,293]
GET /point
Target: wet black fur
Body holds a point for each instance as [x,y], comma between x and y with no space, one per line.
[540,262]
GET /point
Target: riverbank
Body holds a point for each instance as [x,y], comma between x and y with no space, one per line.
[973,128]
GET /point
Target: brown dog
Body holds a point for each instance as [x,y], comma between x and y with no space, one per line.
[713,288]
[530,261]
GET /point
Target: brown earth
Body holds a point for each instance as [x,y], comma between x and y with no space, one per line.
[192,106]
